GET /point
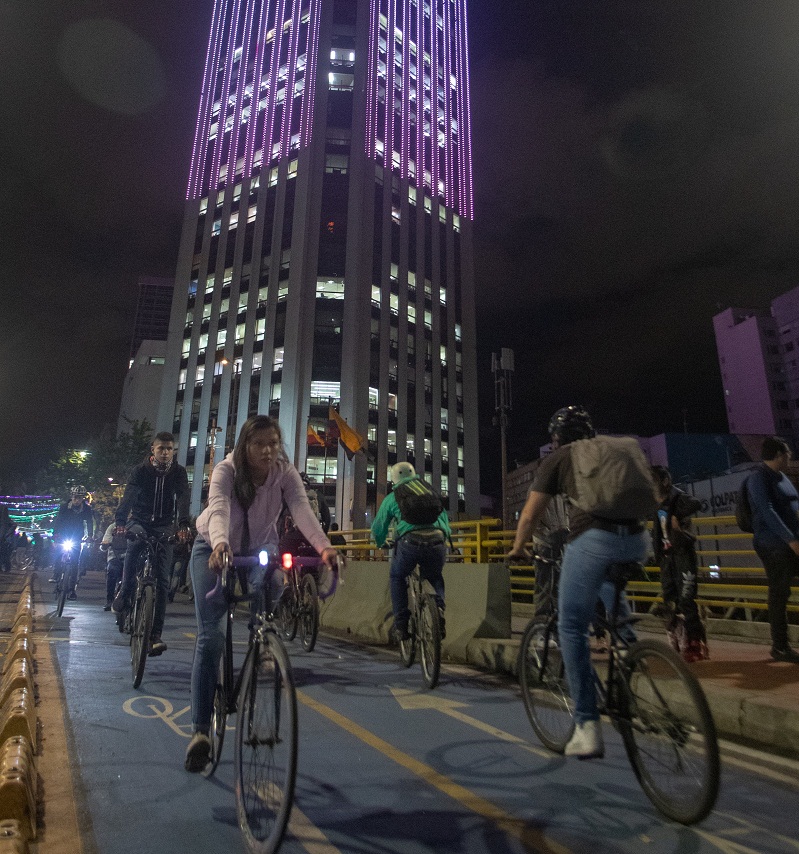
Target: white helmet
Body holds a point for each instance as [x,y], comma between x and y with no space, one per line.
[399,471]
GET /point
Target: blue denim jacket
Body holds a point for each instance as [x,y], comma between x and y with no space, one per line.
[775,508]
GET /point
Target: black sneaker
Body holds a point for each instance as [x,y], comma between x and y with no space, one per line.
[157,646]
[786,654]
[73,595]
[197,753]
[107,606]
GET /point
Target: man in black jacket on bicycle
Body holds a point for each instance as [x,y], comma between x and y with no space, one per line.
[157,491]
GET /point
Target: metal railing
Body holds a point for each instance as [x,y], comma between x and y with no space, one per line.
[737,586]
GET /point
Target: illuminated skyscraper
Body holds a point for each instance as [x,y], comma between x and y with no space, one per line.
[327,245]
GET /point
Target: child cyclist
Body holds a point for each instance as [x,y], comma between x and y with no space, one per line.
[245,499]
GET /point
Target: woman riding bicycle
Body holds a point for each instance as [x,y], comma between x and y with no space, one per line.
[245,498]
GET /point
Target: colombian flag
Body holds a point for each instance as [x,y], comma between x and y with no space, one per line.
[350,440]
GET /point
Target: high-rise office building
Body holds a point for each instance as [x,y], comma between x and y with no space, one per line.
[326,254]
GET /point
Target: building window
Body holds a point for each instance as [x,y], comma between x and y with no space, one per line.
[277,361]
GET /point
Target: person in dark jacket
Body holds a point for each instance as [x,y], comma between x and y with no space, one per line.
[775,523]
[157,491]
[74,521]
[675,553]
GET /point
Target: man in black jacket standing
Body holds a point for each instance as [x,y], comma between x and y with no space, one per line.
[158,490]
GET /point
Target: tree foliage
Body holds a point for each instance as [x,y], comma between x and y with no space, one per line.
[103,467]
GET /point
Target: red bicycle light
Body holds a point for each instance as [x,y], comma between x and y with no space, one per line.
[288,561]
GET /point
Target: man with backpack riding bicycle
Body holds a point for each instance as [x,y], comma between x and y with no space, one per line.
[158,489]
[610,491]
[420,537]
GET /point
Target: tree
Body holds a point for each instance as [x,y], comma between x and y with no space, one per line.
[103,468]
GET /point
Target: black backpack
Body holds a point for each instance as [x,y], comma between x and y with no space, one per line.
[743,510]
[418,502]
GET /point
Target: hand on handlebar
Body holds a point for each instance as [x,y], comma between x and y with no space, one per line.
[220,557]
[333,559]
[518,554]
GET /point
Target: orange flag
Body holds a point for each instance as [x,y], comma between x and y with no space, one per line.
[314,438]
[351,441]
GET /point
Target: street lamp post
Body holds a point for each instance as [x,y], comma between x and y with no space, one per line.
[502,368]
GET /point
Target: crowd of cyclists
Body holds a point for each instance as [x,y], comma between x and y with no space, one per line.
[258,499]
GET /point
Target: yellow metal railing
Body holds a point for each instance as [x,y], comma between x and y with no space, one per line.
[484,541]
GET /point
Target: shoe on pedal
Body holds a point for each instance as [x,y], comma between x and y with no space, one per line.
[157,646]
[107,606]
[198,753]
[72,595]
[121,602]
[586,743]
[401,633]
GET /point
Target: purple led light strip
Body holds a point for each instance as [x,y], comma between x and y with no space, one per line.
[391,92]
[449,190]
[291,76]
[241,93]
[406,89]
[311,65]
[223,100]
[434,155]
[465,127]
[274,68]
[205,113]
[419,95]
[255,100]
[372,81]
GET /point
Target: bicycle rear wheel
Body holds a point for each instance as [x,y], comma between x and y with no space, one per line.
[141,627]
[309,613]
[266,746]
[429,637]
[544,690]
[669,733]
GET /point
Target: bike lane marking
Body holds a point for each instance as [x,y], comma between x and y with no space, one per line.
[149,707]
[410,700]
[515,827]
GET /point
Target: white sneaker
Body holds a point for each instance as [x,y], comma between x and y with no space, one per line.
[586,743]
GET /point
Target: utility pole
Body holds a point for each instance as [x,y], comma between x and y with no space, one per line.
[502,368]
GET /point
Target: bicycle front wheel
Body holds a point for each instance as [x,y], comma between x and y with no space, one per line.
[141,625]
[544,690]
[61,591]
[287,618]
[309,613]
[266,746]
[669,733]
[218,717]
[429,639]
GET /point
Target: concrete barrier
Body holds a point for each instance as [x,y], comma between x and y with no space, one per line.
[23,622]
[11,839]
[477,597]
[18,785]
[20,647]
[18,716]
[18,675]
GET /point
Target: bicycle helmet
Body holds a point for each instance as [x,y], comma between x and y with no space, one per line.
[569,424]
[78,492]
[399,471]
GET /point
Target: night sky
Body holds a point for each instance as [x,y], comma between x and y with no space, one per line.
[636,166]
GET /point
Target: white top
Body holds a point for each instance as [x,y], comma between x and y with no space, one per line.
[222,521]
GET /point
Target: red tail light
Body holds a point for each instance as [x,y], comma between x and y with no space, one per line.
[288,561]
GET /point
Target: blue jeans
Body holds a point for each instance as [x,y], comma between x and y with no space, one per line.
[582,580]
[210,631]
[408,552]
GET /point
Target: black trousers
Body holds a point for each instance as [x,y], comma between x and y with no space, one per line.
[781,566]
[678,580]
